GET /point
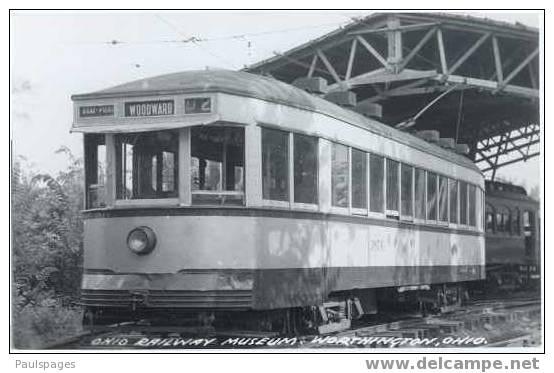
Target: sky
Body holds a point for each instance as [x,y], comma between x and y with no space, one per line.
[56,54]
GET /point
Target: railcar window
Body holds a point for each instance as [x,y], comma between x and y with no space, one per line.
[478,208]
[516,229]
[472,205]
[419,193]
[431,196]
[443,198]
[95,171]
[275,164]
[305,169]
[503,220]
[463,203]
[393,186]
[376,180]
[406,199]
[507,221]
[499,222]
[217,165]
[339,175]
[359,179]
[146,165]
[489,221]
[453,195]
[528,226]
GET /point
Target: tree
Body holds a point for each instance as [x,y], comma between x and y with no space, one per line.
[47,233]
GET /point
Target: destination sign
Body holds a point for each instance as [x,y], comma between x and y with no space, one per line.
[96,111]
[149,108]
[198,105]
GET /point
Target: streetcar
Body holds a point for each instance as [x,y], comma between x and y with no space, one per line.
[512,226]
[228,197]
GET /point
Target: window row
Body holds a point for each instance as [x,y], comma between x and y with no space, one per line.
[363,181]
[147,167]
[502,219]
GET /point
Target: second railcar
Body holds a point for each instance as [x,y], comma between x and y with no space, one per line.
[512,221]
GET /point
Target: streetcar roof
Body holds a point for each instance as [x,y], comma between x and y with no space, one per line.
[268,89]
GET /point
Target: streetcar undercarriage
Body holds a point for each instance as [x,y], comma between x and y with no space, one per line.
[335,314]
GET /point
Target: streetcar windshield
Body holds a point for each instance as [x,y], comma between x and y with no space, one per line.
[146,165]
[95,171]
[217,168]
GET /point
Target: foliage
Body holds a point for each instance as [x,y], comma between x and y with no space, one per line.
[39,324]
[47,247]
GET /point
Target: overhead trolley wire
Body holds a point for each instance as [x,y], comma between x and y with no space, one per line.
[195,39]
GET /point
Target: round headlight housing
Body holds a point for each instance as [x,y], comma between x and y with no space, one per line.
[141,240]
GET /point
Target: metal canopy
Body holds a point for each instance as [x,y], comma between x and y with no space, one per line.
[485,72]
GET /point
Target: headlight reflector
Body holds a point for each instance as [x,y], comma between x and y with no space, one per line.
[141,240]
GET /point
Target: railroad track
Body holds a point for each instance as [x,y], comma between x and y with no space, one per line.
[472,326]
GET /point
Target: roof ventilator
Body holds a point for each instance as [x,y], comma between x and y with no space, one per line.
[315,85]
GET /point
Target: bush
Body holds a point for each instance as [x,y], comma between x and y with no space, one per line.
[47,252]
[37,325]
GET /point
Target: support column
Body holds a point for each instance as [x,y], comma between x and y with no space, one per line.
[184,168]
[324,177]
[253,167]
[394,40]
[110,170]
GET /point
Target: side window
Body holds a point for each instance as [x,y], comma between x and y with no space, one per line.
[431,196]
[499,222]
[95,171]
[529,231]
[419,193]
[376,180]
[393,187]
[472,202]
[339,175]
[507,218]
[463,203]
[516,229]
[275,165]
[479,208]
[443,198]
[528,223]
[489,221]
[146,165]
[359,179]
[217,165]
[305,169]
[406,198]
[453,195]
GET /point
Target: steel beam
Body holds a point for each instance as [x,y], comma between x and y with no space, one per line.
[519,68]
[299,63]
[373,51]
[351,59]
[468,53]
[506,150]
[442,53]
[497,59]
[312,66]
[417,48]
[532,155]
[495,143]
[405,28]
[328,65]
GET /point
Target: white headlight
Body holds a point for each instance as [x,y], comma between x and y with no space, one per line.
[141,240]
